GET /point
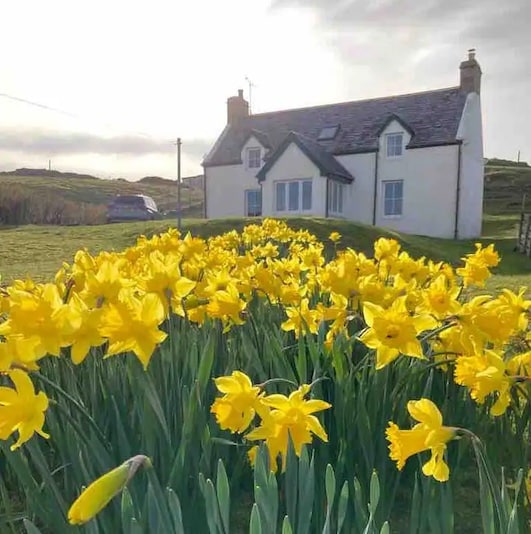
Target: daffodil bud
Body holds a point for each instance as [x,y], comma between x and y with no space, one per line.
[100,492]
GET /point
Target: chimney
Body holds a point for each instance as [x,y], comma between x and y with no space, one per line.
[470,74]
[237,107]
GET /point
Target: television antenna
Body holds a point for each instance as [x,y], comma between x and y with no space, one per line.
[251,85]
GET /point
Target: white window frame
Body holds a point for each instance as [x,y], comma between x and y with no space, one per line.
[336,197]
[394,135]
[286,209]
[385,215]
[246,202]
[251,162]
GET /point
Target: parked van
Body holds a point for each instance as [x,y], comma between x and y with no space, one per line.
[132,208]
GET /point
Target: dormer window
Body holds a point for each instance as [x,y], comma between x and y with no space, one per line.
[328,133]
[254,158]
[395,144]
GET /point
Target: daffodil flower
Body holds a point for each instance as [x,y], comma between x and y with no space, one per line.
[428,434]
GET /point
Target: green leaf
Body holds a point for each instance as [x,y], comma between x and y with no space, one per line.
[330,488]
[291,483]
[175,511]
[375,493]
[255,526]
[223,495]
[306,492]
[30,527]
[342,506]
[127,511]
[286,526]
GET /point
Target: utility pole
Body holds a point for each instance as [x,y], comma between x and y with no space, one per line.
[179,205]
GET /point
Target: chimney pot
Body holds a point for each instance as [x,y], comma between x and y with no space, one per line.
[470,81]
[240,93]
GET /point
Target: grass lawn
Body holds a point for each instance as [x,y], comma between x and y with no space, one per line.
[38,251]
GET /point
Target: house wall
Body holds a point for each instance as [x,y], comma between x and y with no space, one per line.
[358,199]
[293,164]
[430,182]
[226,186]
[472,169]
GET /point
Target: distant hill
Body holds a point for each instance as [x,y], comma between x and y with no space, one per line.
[44,197]
[506,163]
[47,173]
[505,187]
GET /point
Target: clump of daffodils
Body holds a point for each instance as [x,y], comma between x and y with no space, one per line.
[281,417]
[122,302]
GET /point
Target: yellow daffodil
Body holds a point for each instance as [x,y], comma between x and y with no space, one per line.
[237,408]
[86,335]
[41,319]
[301,319]
[21,410]
[485,374]
[440,299]
[520,365]
[289,417]
[386,249]
[132,325]
[100,492]
[428,434]
[334,237]
[393,331]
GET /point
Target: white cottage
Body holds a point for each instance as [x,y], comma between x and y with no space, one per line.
[413,163]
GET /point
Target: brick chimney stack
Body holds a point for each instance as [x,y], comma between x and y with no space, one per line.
[237,107]
[470,74]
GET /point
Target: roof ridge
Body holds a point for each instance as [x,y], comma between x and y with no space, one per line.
[319,106]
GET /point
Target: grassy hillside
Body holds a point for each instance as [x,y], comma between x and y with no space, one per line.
[45,247]
[504,189]
[86,190]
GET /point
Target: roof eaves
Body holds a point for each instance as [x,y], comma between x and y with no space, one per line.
[411,146]
[224,164]
[394,117]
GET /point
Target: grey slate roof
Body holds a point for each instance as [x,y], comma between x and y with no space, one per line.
[325,161]
[432,116]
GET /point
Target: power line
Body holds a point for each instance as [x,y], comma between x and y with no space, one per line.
[69,113]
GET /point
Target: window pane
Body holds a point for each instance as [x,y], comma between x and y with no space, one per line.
[340,189]
[293,193]
[398,206]
[393,197]
[253,158]
[399,187]
[307,195]
[281,196]
[254,203]
[394,145]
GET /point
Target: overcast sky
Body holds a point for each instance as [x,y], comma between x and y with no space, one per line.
[124,78]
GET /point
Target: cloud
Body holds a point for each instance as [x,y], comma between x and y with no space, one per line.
[392,32]
[50,143]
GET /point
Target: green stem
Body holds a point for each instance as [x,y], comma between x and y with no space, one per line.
[78,406]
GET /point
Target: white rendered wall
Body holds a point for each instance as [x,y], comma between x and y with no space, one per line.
[226,186]
[472,169]
[293,164]
[358,199]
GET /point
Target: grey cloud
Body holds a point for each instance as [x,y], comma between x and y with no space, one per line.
[395,26]
[58,143]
